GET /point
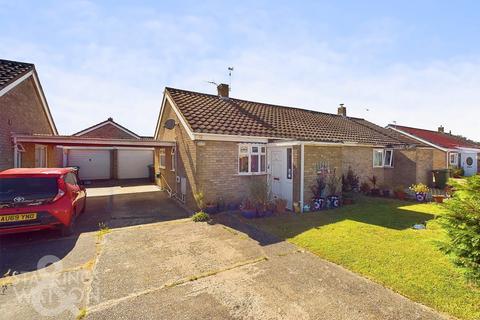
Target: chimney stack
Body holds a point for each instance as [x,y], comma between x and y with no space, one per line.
[342,110]
[223,90]
[441,129]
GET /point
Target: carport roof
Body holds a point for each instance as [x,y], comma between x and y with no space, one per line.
[82,141]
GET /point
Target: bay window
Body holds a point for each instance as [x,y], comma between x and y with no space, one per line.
[383,158]
[252,158]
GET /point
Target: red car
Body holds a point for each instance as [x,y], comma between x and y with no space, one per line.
[40,198]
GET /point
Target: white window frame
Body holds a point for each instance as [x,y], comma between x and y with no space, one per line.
[383,152]
[42,163]
[249,154]
[172,158]
[455,156]
[162,158]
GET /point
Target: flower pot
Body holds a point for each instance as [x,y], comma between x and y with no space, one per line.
[438,198]
[347,201]
[400,195]
[249,213]
[333,202]
[420,196]
[318,204]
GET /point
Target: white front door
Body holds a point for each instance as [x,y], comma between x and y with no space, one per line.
[469,164]
[281,173]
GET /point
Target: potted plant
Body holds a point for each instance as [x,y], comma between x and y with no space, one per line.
[420,191]
[248,209]
[333,200]
[365,188]
[437,196]
[350,181]
[296,207]
[399,192]
[260,195]
[385,191]
[211,208]
[347,198]
[318,200]
[280,205]
[374,191]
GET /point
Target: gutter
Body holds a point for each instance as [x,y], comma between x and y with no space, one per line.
[302,174]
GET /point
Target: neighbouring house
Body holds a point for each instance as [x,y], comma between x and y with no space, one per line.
[222,144]
[450,151]
[23,110]
[29,138]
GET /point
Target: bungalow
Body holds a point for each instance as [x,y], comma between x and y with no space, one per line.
[450,151]
[222,144]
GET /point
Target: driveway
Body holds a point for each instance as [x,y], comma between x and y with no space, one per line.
[168,267]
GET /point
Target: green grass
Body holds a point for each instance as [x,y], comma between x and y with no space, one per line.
[374,238]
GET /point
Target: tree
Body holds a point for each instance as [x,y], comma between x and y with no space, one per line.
[462,223]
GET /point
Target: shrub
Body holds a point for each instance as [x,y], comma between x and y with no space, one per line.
[458,172]
[259,191]
[462,222]
[319,186]
[333,184]
[200,217]
[350,181]
[419,188]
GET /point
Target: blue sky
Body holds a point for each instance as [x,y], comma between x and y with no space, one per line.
[416,63]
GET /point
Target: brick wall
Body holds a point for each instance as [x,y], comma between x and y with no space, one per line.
[439,159]
[21,112]
[108,131]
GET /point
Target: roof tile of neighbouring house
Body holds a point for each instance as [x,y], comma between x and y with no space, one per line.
[12,70]
[444,140]
[207,113]
[108,129]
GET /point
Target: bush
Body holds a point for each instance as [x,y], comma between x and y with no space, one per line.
[462,222]
[458,172]
[350,181]
[200,217]
[319,186]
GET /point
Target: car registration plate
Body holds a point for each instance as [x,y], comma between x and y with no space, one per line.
[18,217]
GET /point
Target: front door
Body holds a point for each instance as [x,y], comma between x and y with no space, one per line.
[469,164]
[281,174]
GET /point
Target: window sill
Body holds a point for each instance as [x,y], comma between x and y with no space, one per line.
[251,174]
[163,168]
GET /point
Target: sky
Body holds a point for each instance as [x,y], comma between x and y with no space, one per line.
[416,63]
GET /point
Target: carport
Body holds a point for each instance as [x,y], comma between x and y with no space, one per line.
[97,158]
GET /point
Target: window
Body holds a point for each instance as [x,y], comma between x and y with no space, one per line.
[40,156]
[289,163]
[453,159]
[382,158]
[162,158]
[251,159]
[70,178]
[172,155]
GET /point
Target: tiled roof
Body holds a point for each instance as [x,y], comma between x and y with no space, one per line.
[444,140]
[12,70]
[207,113]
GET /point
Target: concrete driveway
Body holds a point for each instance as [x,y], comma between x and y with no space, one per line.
[168,267]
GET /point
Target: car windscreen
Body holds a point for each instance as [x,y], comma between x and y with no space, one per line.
[25,189]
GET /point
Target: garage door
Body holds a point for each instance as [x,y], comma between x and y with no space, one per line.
[94,164]
[134,163]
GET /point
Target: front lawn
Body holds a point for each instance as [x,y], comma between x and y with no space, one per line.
[374,238]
